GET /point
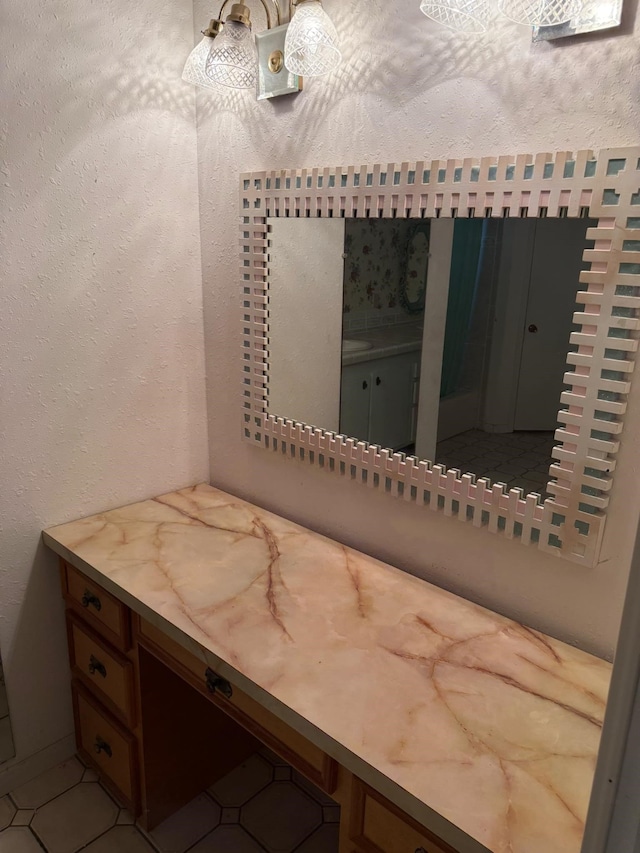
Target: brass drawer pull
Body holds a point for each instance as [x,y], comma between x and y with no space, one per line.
[102,746]
[90,599]
[96,666]
[215,682]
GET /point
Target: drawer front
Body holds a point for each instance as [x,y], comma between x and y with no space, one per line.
[305,756]
[106,745]
[102,669]
[108,616]
[378,826]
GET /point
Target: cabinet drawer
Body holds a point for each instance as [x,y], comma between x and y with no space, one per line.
[108,616]
[305,756]
[378,826]
[102,669]
[106,745]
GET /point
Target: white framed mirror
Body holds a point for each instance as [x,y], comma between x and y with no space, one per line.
[525,344]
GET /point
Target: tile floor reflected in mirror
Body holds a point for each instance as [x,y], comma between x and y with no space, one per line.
[263,806]
[521,460]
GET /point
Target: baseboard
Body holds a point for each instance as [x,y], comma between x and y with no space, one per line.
[16,773]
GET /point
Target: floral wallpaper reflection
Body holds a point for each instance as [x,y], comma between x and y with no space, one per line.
[375,257]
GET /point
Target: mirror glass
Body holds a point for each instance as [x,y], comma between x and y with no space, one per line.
[6,738]
[444,339]
[415,266]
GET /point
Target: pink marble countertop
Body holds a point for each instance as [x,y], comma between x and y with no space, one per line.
[464,718]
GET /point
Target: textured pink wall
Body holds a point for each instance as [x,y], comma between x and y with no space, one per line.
[102,377]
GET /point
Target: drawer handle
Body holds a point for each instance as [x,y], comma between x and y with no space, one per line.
[90,599]
[215,682]
[102,746]
[96,666]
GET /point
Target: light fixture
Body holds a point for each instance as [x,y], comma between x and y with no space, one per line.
[550,19]
[465,16]
[195,64]
[540,13]
[229,56]
[233,58]
[311,46]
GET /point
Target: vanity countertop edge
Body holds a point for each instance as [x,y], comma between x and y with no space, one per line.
[223,578]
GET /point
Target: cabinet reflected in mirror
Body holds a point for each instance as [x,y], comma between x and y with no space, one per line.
[6,738]
[471,379]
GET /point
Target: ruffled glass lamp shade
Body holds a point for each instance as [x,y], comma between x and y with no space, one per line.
[463,16]
[540,13]
[194,67]
[233,58]
[311,46]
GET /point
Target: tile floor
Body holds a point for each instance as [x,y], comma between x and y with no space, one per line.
[263,806]
[6,738]
[519,459]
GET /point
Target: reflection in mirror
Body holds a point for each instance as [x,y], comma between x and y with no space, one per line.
[6,739]
[444,339]
[415,264]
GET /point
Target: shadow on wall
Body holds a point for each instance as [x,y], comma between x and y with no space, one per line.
[395,53]
[101,154]
[102,68]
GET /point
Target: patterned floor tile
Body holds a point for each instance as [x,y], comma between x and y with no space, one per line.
[7,811]
[230,814]
[281,774]
[184,828]
[331,814]
[18,839]
[23,817]
[120,839]
[125,818]
[7,749]
[49,785]
[244,782]
[90,775]
[263,817]
[272,816]
[75,818]
[515,459]
[227,839]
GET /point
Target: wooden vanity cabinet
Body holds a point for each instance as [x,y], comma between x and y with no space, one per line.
[295,749]
[160,726]
[138,724]
[378,826]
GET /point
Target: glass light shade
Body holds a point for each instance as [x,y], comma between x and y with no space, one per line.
[540,13]
[463,16]
[233,58]
[311,46]
[194,67]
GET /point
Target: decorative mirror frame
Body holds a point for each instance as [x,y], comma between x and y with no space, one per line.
[604,186]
